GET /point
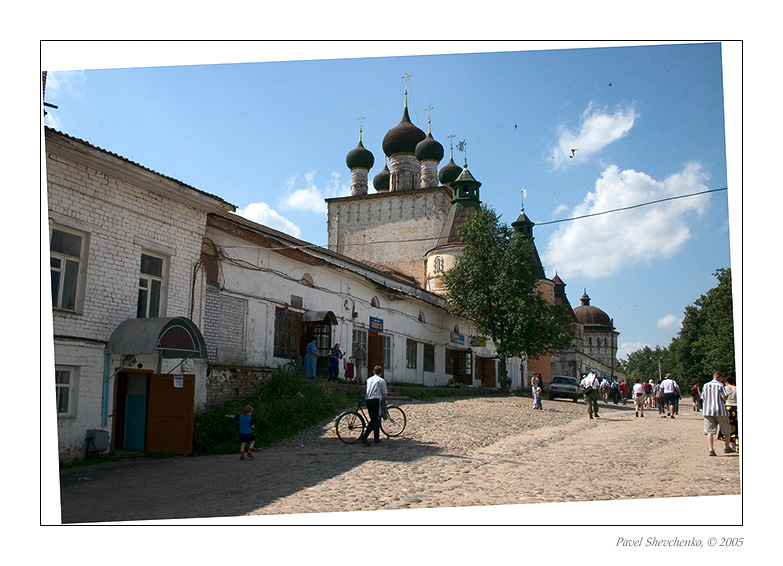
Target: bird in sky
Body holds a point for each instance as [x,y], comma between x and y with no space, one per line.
[573,151]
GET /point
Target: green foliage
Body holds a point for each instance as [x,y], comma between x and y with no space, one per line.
[494,282]
[287,405]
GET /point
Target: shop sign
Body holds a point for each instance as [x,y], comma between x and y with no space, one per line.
[376,324]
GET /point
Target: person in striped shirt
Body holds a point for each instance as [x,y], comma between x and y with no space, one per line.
[716,416]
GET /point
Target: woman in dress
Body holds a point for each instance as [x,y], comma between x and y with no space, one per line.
[311,358]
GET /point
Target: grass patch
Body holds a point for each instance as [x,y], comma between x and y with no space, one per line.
[287,405]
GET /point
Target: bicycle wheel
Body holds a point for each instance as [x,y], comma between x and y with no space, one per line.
[349,427]
[395,424]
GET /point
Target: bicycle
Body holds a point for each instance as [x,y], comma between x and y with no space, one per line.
[294,365]
[351,423]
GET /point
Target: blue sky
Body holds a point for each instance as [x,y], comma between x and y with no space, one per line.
[647,123]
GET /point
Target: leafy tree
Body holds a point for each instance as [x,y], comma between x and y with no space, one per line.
[715,343]
[494,282]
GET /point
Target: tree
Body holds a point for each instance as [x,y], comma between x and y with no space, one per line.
[494,284]
[715,343]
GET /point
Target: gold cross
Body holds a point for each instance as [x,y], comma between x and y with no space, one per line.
[406,76]
[360,118]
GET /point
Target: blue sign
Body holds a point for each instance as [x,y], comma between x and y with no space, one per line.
[376,324]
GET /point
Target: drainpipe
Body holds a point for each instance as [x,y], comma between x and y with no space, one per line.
[106,378]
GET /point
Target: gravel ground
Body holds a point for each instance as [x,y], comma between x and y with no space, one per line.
[454,453]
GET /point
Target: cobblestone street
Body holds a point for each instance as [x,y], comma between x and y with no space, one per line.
[455,453]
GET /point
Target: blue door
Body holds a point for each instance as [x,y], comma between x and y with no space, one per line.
[135,412]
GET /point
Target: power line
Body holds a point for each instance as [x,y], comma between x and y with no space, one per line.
[630,207]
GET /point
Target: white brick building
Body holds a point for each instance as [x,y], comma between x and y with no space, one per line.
[124,241]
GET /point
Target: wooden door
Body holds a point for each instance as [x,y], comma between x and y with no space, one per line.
[374,351]
[170,414]
[487,368]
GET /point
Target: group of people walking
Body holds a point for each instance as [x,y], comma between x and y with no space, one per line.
[717,401]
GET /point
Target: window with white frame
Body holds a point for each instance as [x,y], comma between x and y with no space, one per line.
[66,251]
[429,357]
[150,287]
[411,352]
[387,352]
[64,382]
[359,337]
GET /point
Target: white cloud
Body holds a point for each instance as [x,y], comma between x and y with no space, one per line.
[311,198]
[596,130]
[628,347]
[603,245]
[58,81]
[261,213]
[669,321]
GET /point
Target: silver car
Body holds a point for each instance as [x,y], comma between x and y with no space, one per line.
[564,386]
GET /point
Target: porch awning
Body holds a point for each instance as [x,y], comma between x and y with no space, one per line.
[173,337]
[320,316]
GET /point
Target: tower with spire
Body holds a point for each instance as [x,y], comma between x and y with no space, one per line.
[441,258]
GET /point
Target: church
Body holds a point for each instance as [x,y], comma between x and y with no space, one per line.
[410,225]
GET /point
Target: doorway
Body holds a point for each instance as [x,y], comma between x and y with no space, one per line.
[153,413]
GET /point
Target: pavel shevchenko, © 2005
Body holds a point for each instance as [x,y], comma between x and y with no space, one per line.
[654,541]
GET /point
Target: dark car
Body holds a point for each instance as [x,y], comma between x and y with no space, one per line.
[564,386]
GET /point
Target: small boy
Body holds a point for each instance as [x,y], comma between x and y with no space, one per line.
[246,426]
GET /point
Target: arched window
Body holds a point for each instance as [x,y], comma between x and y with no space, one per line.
[421,316]
[307,279]
[375,302]
[438,264]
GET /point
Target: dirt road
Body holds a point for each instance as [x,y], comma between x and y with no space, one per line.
[454,453]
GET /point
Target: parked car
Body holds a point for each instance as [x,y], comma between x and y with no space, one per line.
[564,386]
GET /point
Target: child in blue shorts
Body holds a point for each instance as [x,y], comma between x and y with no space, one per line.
[246,426]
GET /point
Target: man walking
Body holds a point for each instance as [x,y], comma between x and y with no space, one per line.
[669,388]
[638,397]
[376,391]
[716,416]
[590,385]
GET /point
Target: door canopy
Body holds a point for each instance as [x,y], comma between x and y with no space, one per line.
[174,337]
[320,316]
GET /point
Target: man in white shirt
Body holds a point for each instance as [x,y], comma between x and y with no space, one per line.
[376,391]
[670,389]
[590,385]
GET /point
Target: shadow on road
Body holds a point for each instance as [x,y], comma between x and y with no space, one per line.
[217,486]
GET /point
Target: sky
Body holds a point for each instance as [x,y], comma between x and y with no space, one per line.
[580,134]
